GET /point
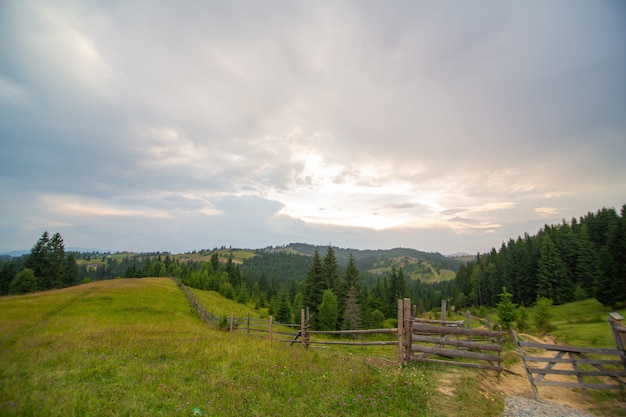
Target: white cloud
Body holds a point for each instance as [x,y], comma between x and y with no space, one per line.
[414,122]
[547,211]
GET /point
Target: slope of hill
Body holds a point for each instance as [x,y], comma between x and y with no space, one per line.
[135,347]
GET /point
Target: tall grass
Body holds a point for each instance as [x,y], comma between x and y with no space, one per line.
[583,323]
[134,347]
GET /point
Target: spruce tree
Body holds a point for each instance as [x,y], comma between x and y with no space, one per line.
[298,305]
[283,309]
[507,312]
[331,270]
[353,314]
[328,311]
[7,274]
[586,262]
[350,277]
[314,285]
[552,279]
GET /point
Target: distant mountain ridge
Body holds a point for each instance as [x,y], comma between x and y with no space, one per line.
[363,255]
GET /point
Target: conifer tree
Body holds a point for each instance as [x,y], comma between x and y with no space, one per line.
[314,285]
[328,311]
[506,309]
[298,305]
[353,314]
[283,308]
[331,270]
[552,279]
[7,274]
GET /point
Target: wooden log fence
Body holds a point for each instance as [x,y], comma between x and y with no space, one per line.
[576,367]
[448,342]
[409,329]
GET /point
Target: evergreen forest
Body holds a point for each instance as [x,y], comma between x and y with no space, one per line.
[353,289]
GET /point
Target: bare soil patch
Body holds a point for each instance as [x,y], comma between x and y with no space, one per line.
[517,384]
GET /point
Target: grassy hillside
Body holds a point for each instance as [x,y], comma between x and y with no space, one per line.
[583,323]
[134,347]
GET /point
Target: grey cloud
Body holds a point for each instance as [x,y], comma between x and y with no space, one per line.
[509,103]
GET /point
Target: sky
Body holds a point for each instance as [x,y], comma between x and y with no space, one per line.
[447,126]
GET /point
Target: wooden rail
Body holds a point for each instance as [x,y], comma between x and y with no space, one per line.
[447,342]
[578,367]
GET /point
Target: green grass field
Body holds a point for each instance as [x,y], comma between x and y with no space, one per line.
[134,347]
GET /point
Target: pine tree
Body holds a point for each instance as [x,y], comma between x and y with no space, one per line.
[331,270]
[353,314]
[476,278]
[610,286]
[39,261]
[397,289]
[506,309]
[552,279]
[314,286]
[298,305]
[7,274]
[586,262]
[350,280]
[70,274]
[283,309]
[328,311]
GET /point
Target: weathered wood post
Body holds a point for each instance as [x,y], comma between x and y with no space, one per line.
[307,327]
[469,323]
[444,304]
[408,330]
[617,325]
[400,330]
[270,329]
[232,321]
[302,326]
[248,325]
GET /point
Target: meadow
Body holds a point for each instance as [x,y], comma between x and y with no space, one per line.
[134,347]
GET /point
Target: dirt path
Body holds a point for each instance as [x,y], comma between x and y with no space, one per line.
[517,384]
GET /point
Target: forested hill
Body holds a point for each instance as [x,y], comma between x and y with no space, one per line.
[570,261]
[369,259]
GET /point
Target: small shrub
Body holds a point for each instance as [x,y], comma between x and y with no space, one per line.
[522,319]
[224,323]
[506,310]
[543,315]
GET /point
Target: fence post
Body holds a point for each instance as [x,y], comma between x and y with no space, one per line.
[408,330]
[248,325]
[616,321]
[232,321]
[444,304]
[270,330]
[302,325]
[307,327]
[469,323]
[400,331]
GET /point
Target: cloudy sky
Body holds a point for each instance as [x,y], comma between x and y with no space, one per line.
[446,126]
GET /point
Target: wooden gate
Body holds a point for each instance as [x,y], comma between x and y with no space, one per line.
[448,342]
[576,367]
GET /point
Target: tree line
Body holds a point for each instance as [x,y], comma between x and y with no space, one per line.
[574,260]
[46,267]
[570,261]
